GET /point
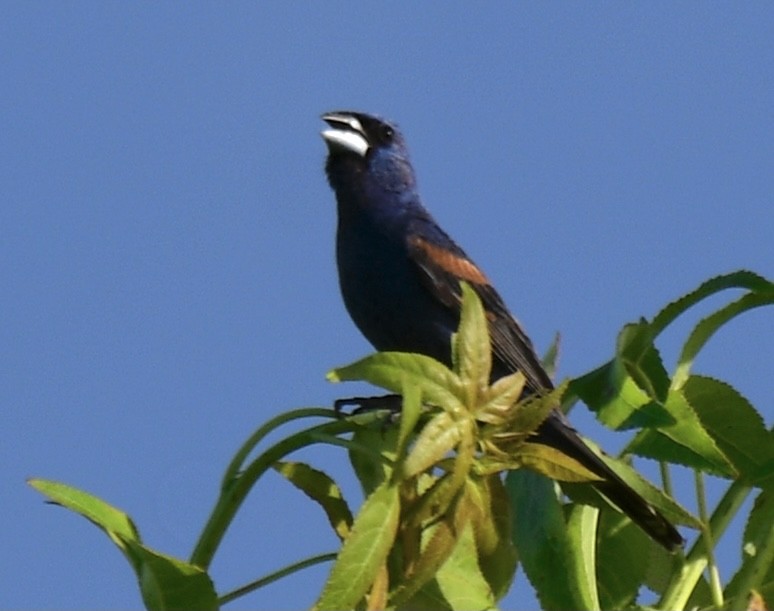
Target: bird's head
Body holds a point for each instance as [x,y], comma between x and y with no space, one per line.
[366,156]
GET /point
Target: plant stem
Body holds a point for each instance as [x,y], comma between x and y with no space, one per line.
[679,590]
[272,577]
[248,446]
[666,477]
[709,544]
[234,492]
[754,570]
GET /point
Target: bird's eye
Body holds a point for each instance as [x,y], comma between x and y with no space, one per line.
[387,133]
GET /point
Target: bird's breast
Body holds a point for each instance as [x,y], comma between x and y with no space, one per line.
[384,294]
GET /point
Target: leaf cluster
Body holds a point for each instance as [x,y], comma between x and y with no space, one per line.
[442,528]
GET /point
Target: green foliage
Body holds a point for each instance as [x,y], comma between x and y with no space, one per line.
[441,528]
[165,582]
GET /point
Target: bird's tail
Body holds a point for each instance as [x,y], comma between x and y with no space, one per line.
[557,433]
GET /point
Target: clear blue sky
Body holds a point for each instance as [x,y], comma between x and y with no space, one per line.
[166,242]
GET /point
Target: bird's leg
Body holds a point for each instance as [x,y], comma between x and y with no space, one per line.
[392,403]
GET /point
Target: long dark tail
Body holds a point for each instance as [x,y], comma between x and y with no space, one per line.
[557,433]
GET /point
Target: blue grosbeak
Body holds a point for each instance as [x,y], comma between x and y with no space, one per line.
[400,276]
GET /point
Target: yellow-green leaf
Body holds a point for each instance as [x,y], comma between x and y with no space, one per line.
[530,413]
[497,400]
[473,349]
[491,521]
[394,370]
[553,463]
[460,579]
[364,551]
[409,415]
[166,583]
[116,524]
[437,438]
[321,488]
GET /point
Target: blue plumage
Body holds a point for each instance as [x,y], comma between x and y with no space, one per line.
[400,275]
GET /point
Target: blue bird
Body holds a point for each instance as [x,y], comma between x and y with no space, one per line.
[400,274]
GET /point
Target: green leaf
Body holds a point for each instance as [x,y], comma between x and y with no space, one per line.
[436,439]
[586,494]
[438,542]
[440,495]
[757,570]
[708,326]
[651,415]
[364,552]
[237,464]
[764,477]
[541,538]
[166,583]
[641,361]
[429,598]
[740,279]
[530,413]
[553,463]
[623,556]
[447,574]
[436,495]
[737,429]
[618,390]
[672,510]
[550,359]
[491,521]
[394,370]
[460,579]
[582,539]
[664,567]
[368,447]
[685,442]
[496,402]
[410,412]
[170,584]
[616,399]
[511,427]
[321,488]
[701,595]
[117,524]
[472,346]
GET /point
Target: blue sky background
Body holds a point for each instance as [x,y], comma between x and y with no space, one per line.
[166,251]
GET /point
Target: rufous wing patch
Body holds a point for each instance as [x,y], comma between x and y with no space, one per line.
[451,263]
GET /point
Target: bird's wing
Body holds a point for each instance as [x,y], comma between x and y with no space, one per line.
[441,269]
[442,265]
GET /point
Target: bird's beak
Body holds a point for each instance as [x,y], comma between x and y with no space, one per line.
[345,135]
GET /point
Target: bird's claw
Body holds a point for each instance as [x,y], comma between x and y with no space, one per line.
[391,403]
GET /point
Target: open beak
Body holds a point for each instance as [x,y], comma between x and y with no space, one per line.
[346,134]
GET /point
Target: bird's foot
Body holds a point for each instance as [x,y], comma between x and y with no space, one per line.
[391,403]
